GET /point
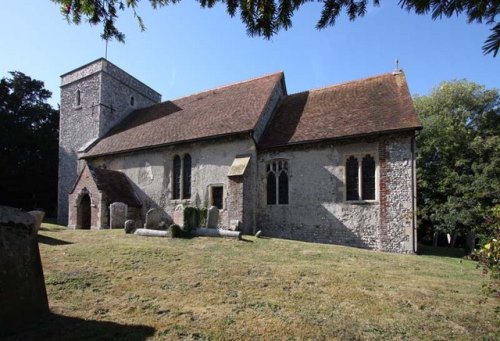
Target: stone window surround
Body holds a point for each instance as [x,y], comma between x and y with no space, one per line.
[210,198]
[287,171]
[181,180]
[359,156]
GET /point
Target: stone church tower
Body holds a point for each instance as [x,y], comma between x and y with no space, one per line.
[94,97]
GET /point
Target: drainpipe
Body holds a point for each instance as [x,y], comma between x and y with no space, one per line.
[413,191]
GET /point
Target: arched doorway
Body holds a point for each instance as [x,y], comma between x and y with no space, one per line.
[84,212]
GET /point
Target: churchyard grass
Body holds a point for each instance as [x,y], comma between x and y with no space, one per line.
[214,288]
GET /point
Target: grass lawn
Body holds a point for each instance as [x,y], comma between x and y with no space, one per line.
[106,284]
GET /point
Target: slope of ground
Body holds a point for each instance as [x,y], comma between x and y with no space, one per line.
[111,285]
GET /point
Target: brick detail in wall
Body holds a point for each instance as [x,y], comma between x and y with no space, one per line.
[383,192]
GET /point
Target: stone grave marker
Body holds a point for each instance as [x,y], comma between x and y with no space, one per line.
[179,215]
[129,226]
[152,219]
[117,215]
[212,217]
[23,297]
[39,215]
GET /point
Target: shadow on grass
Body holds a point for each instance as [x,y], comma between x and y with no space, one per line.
[246,240]
[440,251]
[58,327]
[51,241]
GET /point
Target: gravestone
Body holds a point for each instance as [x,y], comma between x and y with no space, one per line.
[39,215]
[152,219]
[179,215]
[117,215]
[129,226]
[23,297]
[212,217]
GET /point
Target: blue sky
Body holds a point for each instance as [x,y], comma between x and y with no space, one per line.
[186,49]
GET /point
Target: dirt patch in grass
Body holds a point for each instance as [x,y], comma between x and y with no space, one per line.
[212,288]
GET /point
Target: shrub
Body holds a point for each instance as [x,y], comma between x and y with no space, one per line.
[203,216]
[488,257]
[191,218]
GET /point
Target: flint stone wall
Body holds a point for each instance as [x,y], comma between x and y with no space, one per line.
[317,209]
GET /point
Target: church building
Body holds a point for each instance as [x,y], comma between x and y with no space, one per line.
[330,165]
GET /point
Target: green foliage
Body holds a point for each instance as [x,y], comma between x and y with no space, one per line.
[488,256]
[458,160]
[203,216]
[267,17]
[191,218]
[28,144]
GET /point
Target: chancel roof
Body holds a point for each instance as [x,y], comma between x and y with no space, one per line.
[363,107]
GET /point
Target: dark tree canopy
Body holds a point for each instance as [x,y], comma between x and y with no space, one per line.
[266,17]
[28,144]
[458,164]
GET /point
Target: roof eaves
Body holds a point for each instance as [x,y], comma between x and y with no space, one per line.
[338,138]
[161,145]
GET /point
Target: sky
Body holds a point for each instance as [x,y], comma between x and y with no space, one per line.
[186,49]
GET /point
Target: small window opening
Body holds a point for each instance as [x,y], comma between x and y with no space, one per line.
[78,98]
[217,196]
[132,100]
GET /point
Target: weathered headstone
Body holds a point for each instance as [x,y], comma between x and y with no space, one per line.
[179,215]
[129,226]
[39,215]
[152,219]
[234,225]
[212,217]
[23,297]
[117,215]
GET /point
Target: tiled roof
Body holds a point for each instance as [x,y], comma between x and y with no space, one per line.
[372,105]
[115,185]
[227,110]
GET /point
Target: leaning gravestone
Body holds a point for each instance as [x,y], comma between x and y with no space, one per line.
[117,215]
[179,215]
[23,297]
[152,219]
[39,215]
[212,217]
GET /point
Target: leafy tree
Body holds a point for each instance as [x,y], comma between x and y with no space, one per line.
[28,144]
[267,17]
[458,167]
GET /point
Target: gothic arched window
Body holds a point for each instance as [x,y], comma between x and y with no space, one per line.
[176,186]
[352,178]
[186,177]
[360,178]
[277,182]
[368,178]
